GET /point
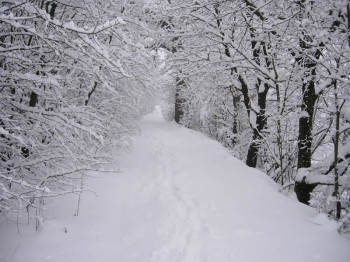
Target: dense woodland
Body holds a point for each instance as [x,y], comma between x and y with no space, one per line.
[269,79]
[74,79]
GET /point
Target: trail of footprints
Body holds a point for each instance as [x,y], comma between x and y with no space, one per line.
[183,227]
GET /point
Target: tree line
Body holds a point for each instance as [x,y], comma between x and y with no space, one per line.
[271,81]
[74,77]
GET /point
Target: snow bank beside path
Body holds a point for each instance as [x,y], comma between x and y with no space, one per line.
[181,197]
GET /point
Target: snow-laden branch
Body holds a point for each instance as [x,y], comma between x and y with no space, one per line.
[93,30]
[312,178]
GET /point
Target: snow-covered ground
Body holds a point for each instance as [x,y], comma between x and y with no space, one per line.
[181,197]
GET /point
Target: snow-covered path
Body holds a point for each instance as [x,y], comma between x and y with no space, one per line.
[183,198]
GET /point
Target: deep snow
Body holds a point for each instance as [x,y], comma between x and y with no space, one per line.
[181,197]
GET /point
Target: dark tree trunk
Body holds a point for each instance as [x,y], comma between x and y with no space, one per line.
[51,11]
[261,122]
[178,100]
[252,156]
[305,125]
[302,189]
[33,99]
[235,103]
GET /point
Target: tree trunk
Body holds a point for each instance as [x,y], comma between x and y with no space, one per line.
[306,123]
[261,122]
[302,189]
[178,100]
[33,99]
[235,103]
[176,44]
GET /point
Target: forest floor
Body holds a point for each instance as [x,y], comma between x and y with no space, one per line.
[180,197]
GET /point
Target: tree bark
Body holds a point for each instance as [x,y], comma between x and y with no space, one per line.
[178,100]
[302,189]
[261,122]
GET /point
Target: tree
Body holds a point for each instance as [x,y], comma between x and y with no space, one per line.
[274,68]
[75,77]
[320,59]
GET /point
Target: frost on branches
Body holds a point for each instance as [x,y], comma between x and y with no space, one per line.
[74,78]
[270,80]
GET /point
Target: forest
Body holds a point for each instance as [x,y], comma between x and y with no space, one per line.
[268,79]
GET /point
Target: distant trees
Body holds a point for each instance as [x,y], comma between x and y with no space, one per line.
[74,78]
[270,80]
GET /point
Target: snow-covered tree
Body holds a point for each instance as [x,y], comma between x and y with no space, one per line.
[74,78]
[279,69]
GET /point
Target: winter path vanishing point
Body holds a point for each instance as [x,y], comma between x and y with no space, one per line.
[181,198]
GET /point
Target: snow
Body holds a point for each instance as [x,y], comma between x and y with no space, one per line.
[304,174]
[304,114]
[181,197]
[346,113]
[96,29]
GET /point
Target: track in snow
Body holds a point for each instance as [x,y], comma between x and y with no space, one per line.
[182,228]
[181,198]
